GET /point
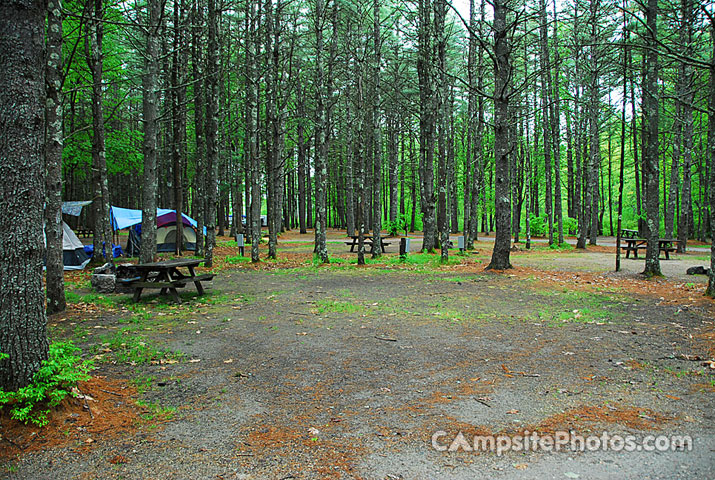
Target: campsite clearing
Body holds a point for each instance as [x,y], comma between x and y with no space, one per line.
[285,369]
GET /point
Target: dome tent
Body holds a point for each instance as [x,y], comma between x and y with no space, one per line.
[165,229]
[73,255]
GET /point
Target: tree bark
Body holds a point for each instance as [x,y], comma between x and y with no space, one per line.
[594,116]
[178,78]
[23,334]
[376,132]
[95,62]
[320,138]
[546,119]
[199,124]
[150,108]
[688,96]
[650,152]
[425,73]
[502,141]
[53,160]
[212,147]
[710,159]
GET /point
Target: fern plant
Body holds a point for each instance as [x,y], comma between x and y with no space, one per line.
[50,385]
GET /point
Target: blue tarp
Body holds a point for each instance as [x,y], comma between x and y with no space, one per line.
[116,250]
[126,217]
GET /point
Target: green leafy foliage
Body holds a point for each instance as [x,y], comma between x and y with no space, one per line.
[401,224]
[537,225]
[50,385]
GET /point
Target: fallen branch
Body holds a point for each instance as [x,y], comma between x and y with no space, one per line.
[113,393]
[482,402]
[386,339]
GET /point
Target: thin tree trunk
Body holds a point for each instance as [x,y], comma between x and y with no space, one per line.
[376,132]
[212,147]
[650,153]
[320,138]
[53,160]
[199,123]
[685,217]
[592,196]
[95,62]
[555,90]
[710,159]
[546,120]
[623,143]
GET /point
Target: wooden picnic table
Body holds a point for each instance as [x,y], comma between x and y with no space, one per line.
[167,276]
[665,245]
[367,240]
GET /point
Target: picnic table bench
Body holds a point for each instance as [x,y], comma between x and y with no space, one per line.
[367,240]
[167,277]
[665,245]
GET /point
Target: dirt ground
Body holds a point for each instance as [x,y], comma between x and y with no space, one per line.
[294,371]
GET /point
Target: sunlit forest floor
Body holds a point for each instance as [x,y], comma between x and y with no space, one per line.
[290,369]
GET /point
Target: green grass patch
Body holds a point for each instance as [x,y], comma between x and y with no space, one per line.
[328,306]
[126,347]
[91,298]
[154,411]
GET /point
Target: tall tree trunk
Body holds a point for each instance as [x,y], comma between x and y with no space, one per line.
[650,152]
[302,165]
[150,108]
[688,93]
[622,166]
[273,157]
[546,119]
[556,131]
[349,165]
[95,62]
[594,118]
[53,160]
[320,138]
[502,142]
[710,159]
[212,147]
[425,73]
[23,335]
[199,124]
[376,132]
[252,42]
[179,120]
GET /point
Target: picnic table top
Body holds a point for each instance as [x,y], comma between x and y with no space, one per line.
[661,240]
[189,262]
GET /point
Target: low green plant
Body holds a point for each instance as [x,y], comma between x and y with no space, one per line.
[125,347]
[50,385]
[400,224]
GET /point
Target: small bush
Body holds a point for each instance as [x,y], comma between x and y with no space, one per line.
[570,226]
[401,224]
[50,385]
[537,225]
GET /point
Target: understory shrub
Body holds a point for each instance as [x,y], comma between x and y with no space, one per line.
[50,385]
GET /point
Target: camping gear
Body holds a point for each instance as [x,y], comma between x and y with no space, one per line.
[166,231]
[73,254]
